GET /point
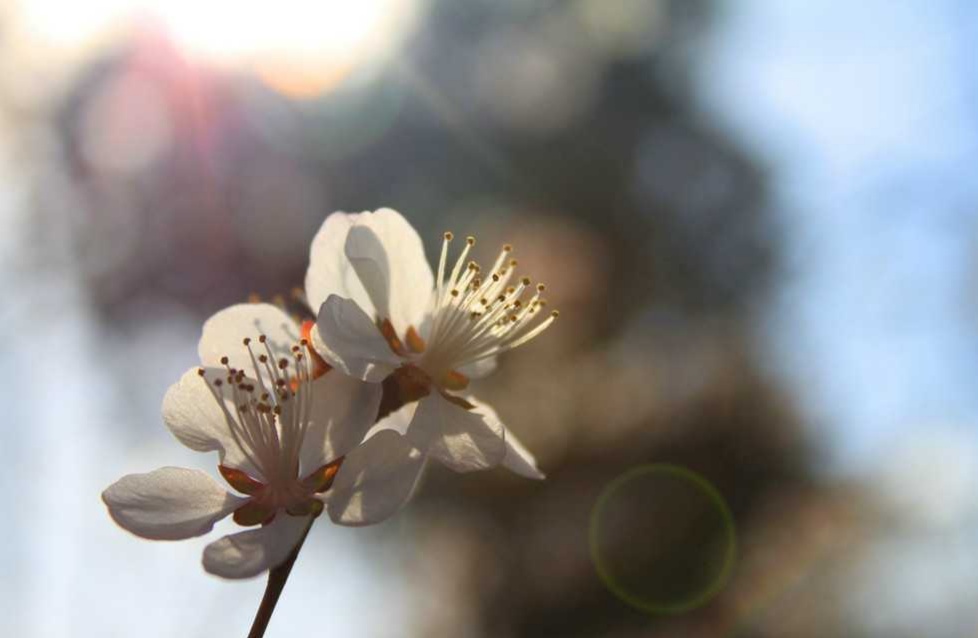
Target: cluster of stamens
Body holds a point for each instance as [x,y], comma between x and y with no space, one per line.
[268,417]
[479,315]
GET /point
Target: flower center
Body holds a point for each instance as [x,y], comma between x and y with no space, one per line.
[476,315]
[268,417]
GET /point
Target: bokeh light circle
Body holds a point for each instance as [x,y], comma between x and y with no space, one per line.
[662,539]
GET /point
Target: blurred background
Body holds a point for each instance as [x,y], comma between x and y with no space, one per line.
[758,219]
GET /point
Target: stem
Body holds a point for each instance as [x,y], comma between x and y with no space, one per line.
[277,578]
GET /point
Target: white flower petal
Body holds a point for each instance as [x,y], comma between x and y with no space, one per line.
[398,420]
[330,272]
[375,480]
[461,439]
[250,553]
[197,420]
[517,459]
[170,503]
[349,340]
[479,369]
[224,332]
[341,410]
[388,255]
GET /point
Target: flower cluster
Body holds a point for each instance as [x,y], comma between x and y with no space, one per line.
[341,414]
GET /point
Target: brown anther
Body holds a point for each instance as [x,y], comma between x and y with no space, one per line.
[200,371]
[262,338]
[495,277]
[280,382]
[295,348]
[304,343]
[254,297]
[264,396]
[263,358]
[277,410]
[507,248]
[526,281]
[555,314]
[224,360]
[218,382]
[246,341]
[449,236]
[264,408]
[511,290]
[283,364]
[470,240]
[455,293]
[513,263]
[541,287]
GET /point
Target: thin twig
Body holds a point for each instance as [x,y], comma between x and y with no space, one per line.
[276,582]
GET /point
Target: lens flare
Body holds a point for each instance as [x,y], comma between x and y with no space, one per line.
[662,539]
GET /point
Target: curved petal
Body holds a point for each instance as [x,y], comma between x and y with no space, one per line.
[479,369]
[388,255]
[398,420]
[463,440]
[250,553]
[349,340]
[224,332]
[330,272]
[376,479]
[518,459]
[341,410]
[194,416]
[170,503]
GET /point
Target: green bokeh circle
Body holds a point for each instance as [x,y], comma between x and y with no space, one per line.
[726,527]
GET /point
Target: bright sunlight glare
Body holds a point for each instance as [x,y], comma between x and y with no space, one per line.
[297,46]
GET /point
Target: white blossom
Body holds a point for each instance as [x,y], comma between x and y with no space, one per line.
[385,318]
[280,426]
